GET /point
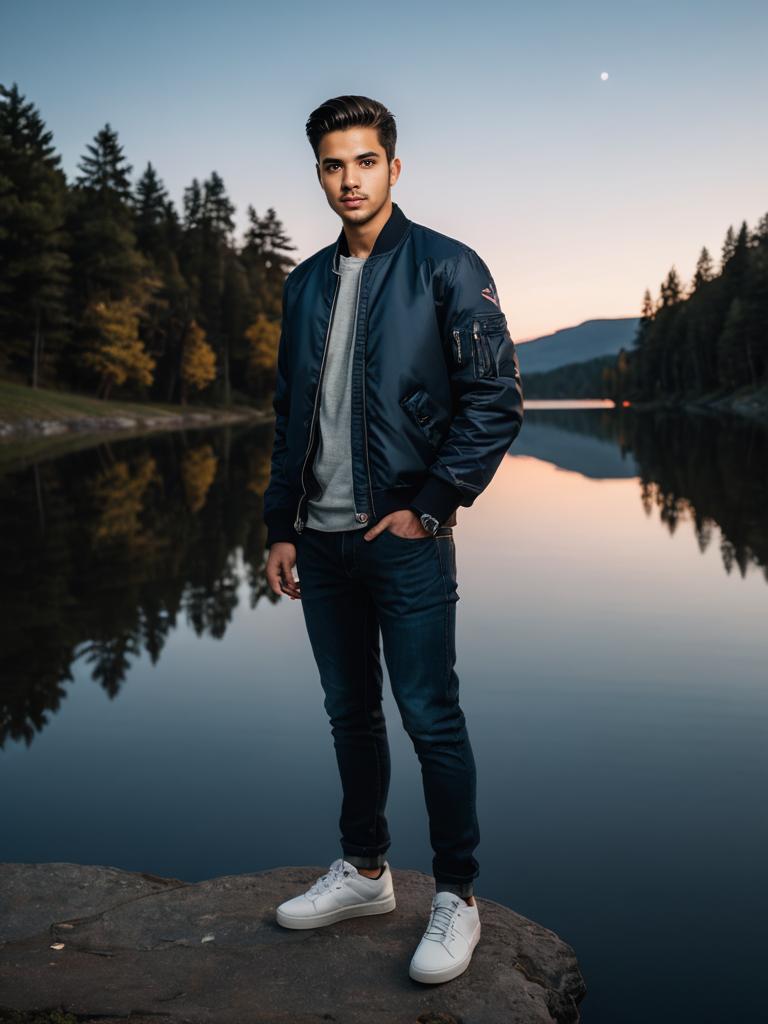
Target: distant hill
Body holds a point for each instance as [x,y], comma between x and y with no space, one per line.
[588,340]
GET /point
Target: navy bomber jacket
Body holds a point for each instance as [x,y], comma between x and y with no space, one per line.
[437,398]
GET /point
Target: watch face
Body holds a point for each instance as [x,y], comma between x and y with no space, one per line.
[429,522]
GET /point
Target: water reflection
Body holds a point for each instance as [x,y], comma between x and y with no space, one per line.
[708,469]
[105,549]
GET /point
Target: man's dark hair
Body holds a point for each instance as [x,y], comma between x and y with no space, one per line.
[350,111]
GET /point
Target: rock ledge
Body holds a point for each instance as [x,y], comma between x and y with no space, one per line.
[134,945]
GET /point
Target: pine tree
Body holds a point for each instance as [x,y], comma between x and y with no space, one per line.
[731,347]
[209,219]
[108,268]
[265,256]
[735,266]
[729,244]
[33,261]
[757,285]
[151,206]
[640,365]
[671,289]
[704,269]
[159,234]
[104,244]
[663,335]
[104,168]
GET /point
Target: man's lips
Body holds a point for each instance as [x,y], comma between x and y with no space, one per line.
[353,199]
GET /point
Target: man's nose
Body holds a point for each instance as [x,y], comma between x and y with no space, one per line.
[350,178]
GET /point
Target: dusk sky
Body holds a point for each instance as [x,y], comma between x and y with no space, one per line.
[579,191]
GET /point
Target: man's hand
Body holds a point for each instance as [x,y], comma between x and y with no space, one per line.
[402,522]
[280,563]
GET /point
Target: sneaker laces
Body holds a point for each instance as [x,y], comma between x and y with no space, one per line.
[441,919]
[329,879]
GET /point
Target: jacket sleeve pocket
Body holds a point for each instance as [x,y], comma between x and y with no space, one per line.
[492,348]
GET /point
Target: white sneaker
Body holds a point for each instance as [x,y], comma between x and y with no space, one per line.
[341,892]
[447,945]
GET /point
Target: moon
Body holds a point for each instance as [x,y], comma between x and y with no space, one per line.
[603,75]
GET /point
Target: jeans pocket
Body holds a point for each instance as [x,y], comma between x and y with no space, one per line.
[408,540]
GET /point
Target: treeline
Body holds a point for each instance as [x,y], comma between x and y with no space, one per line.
[105,286]
[574,380]
[708,338]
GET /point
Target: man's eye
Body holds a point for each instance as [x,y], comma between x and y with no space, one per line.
[332,167]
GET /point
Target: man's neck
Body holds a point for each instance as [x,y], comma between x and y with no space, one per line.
[361,240]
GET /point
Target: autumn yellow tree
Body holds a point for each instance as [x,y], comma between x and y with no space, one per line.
[118,353]
[198,361]
[264,338]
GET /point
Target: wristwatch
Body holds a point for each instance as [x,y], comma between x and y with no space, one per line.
[430,524]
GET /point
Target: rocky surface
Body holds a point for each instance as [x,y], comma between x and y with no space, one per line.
[102,943]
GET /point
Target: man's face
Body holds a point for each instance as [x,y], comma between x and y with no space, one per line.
[352,163]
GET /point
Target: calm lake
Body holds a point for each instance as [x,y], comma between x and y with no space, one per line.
[161,709]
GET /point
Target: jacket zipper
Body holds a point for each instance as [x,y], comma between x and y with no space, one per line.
[298,525]
[365,415]
[457,339]
[479,347]
[484,348]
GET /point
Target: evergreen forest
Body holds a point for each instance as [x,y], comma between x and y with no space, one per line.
[109,290]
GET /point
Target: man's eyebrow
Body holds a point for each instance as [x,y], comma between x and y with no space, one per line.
[360,156]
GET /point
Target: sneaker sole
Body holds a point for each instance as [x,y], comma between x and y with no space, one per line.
[381,906]
[447,973]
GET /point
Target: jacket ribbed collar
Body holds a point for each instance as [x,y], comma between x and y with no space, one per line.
[387,238]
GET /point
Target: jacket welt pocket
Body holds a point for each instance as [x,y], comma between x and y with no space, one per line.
[425,413]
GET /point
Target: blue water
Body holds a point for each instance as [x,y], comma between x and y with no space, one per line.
[612,641]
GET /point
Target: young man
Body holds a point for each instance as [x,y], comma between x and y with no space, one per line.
[398,394]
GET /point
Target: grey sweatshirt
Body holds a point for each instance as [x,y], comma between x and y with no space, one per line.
[334,509]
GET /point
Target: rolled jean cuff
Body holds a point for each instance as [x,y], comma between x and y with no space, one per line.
[464,889]
[376,861]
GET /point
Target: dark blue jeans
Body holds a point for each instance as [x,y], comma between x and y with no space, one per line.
[404,591]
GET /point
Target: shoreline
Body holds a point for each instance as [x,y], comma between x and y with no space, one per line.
[753,405]
[30,427]
[29,414]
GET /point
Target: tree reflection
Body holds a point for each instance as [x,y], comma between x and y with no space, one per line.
[105,548]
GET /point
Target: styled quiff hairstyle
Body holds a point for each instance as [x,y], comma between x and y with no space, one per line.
[350,111]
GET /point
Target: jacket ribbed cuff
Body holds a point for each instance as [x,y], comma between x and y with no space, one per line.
[438,497]
[280,527]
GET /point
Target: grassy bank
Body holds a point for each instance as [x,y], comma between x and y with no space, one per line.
[27,412]
[19,402]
